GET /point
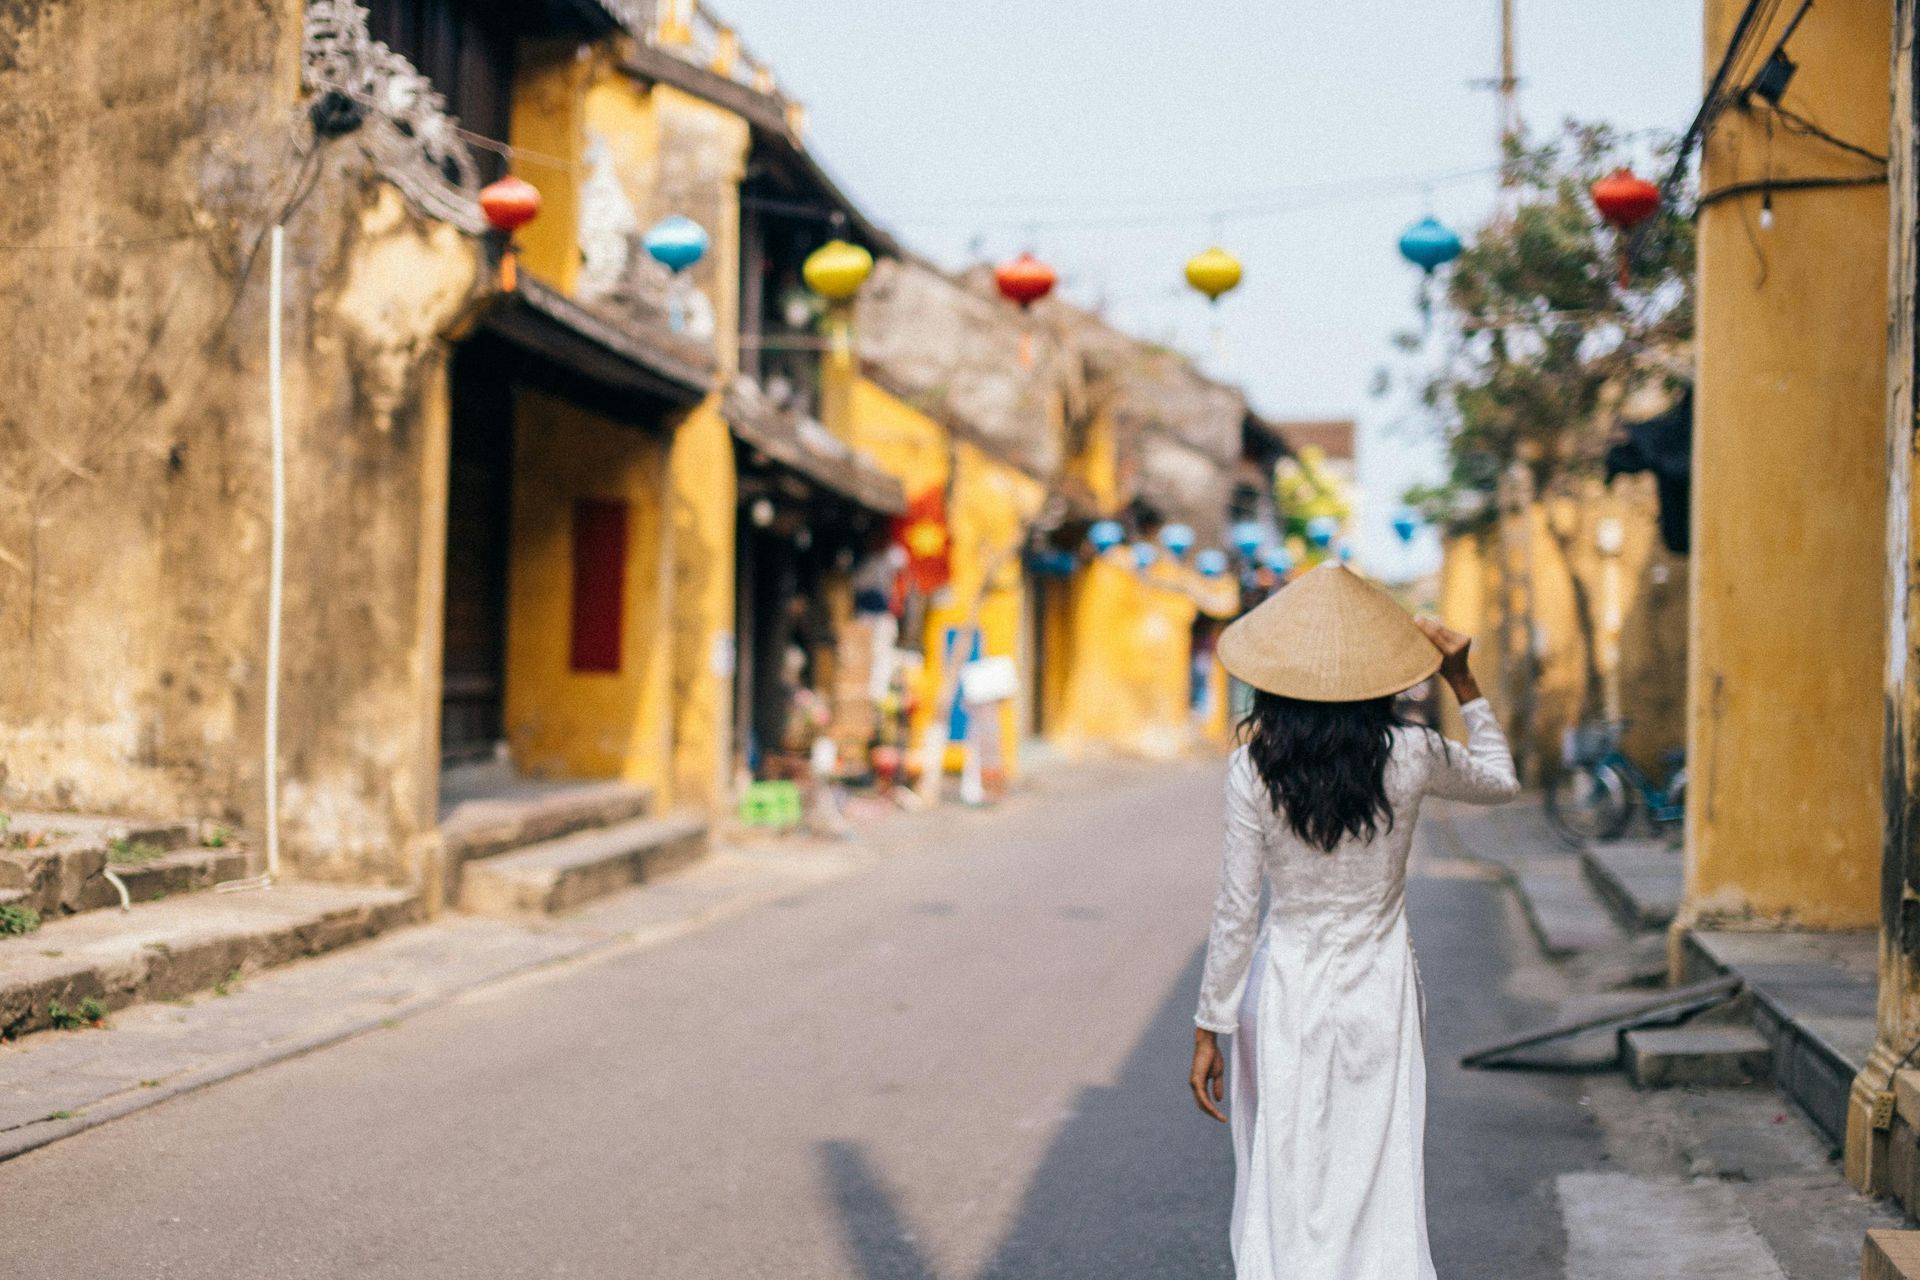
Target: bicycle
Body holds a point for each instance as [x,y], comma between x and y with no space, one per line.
[1595,794]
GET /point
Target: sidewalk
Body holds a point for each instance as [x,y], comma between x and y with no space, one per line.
[57,1083]
[1750,1162]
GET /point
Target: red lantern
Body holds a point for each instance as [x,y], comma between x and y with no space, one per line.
[1624,199]
[1025,280]
[510,203]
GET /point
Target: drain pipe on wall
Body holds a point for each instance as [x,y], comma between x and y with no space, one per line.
[276,562]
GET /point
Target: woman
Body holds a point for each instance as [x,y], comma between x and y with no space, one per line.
[1329,1088]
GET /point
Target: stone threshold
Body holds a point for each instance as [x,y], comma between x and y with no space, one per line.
[1813,998]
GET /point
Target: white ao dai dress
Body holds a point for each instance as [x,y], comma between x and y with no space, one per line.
[1328,1089]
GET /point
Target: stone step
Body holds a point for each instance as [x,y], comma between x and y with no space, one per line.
[183,871]
[1710,1054]
[556,875]
[66,875]
[1639,880]
[514,816]
[179,946]
[1890,1255]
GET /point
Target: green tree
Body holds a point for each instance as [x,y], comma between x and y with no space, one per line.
[1543,343]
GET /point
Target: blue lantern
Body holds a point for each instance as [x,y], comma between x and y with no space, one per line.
[1144,554]
[1278,561]
[1428,244]
[1405,524]
[1106,535]
[1211,563]
[1247,536]
[1177,538]
[1346,552]
[1320,531]
[676,242]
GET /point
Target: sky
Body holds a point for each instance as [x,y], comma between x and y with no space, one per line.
[1117,139]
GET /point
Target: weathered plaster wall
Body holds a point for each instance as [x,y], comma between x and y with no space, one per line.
[955,354]
[562,723]
[702,158]
[1784,820]
[134,442]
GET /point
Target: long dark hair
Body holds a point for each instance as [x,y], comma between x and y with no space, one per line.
[1324,764]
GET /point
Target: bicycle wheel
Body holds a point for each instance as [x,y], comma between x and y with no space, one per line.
[1589,803]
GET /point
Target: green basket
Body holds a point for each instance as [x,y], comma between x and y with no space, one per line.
[771,804]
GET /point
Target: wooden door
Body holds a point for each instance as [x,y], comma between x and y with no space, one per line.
[479,503]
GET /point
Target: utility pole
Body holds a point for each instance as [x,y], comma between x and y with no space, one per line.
[1508,84]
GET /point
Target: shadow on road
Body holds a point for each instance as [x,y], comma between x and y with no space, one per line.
[1136,1185]
[877,1237]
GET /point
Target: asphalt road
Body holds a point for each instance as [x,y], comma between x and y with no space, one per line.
[965,1061]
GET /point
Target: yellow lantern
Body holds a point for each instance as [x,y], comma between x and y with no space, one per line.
[836,270]
[1214,272]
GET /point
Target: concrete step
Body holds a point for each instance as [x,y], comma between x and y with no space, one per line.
[66,875]
[1890,1255]
[1710,1054]
[514,815]
[1639,880]
[556,875]
[69,878]
[177,946]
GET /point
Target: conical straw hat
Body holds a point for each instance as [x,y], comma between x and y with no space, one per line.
[1329,636]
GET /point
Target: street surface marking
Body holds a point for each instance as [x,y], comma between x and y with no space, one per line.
[1620,1227]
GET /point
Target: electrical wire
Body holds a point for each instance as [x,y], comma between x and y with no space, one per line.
[1797,123]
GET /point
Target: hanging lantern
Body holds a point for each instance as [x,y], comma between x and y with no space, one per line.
[1429,245]
[1625,200]
[1211,563]
[1106,535]
[836,270]
[1278,561]
[676,242]
[1025,280]
[1177,538]
[1405,524]
[510,203]
[1320,531]
[1214,272]
[1144,554]
[1247,536]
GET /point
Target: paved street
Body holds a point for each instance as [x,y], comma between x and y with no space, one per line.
[965,1060]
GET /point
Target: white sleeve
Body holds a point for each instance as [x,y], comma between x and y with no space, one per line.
[1481,774]
[1230,945]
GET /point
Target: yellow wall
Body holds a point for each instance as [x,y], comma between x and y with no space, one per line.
[673,153]
[549,120]
[1642,640]
[590,725]
[1788,615]
[988,506]
[702,481]
[1129,685]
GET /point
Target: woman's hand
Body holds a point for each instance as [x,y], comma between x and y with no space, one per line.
[1209,1073]
[1453,657]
